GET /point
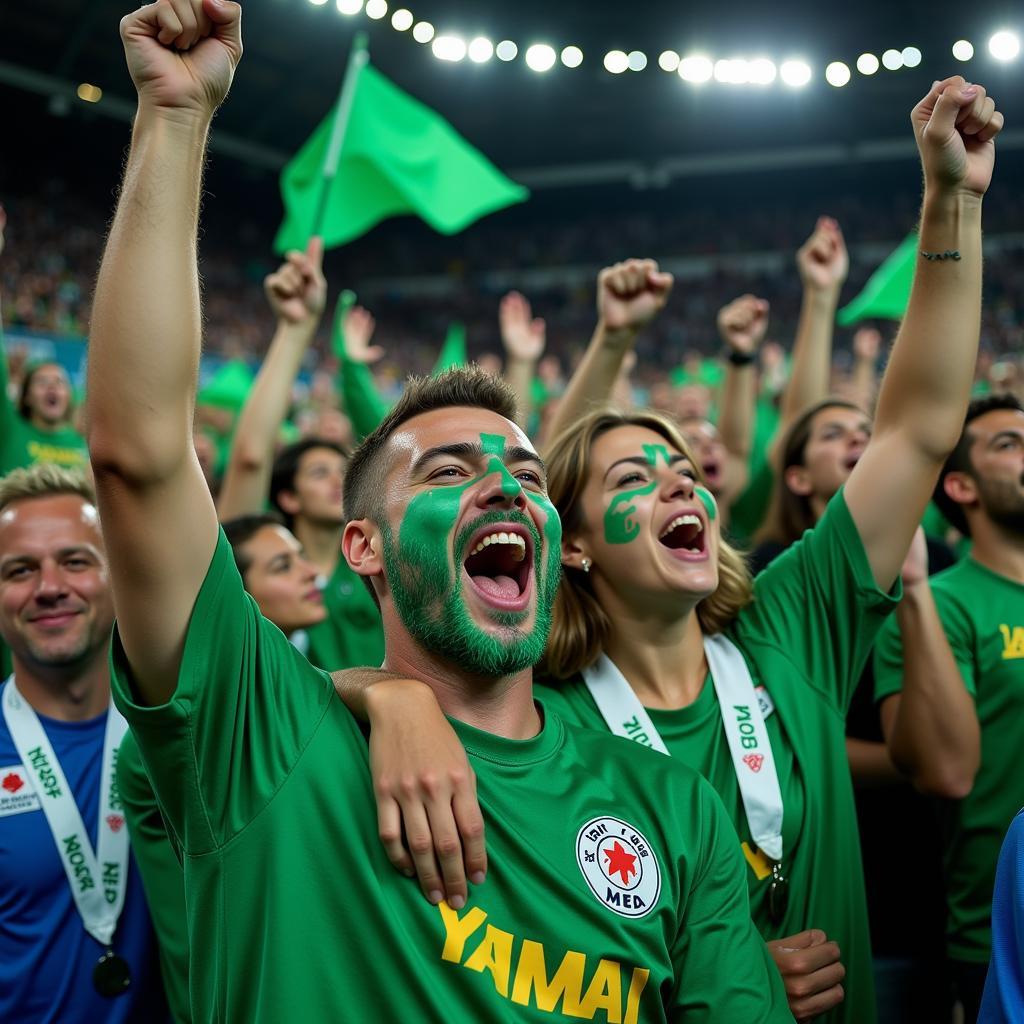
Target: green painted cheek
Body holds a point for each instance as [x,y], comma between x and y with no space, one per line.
[620,525]
[707,501]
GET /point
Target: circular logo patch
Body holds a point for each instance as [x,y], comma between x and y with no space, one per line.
[619,866]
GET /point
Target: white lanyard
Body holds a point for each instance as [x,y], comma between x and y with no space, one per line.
[98,879]
[744,725]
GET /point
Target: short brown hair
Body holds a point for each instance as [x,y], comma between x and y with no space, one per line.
[580,627]
[44,480]
[463,386]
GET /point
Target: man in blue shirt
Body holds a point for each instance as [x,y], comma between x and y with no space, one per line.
[76,944]
[1003,1001]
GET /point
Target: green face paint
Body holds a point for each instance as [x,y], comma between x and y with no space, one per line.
[653,452]
[425,579]
[620,525]
[708,501]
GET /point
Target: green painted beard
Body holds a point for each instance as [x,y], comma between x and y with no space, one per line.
[430,599]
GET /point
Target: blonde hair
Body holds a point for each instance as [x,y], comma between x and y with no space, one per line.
[44,480]
[580,628]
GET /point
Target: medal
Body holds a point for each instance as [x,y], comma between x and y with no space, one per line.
[111,976]
[778,894]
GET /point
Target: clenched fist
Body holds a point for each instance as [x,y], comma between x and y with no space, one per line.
[955,126]
[297,291]
[182,54]
[743,322]
[822,260]
[631,294]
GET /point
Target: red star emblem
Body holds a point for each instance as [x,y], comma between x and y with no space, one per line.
[12,783]
[620,863]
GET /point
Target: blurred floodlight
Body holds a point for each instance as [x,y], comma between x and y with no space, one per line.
[451,48]
[696,68]
[540,57]
[732,72]
[506,50]
[616,62]
[401,19]
[376,9]
[892,60]
[350,6]
[669,61]
[572,56]
[637,60]
[90,93]
[795,73]
[867,63]
[423,32]
[1004,45]
[911,56]
[762,71]
[837,74]
[481,50]
[963,49]
[318,3]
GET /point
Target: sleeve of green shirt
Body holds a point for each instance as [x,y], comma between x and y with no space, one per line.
[818,602]
[723,971]
[363,402]
[8,413]
[245,706]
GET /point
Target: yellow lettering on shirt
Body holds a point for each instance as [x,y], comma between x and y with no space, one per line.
[55,453]
[1013,641]
[559,994]
[759,863]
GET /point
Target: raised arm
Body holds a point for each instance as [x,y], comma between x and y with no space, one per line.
[741,326]
[864,381]
[353,329]
[823,264]
[158,517]
[927,383]
[629,295]
[296,292]
[523,337]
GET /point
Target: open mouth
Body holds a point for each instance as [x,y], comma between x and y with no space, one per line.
[685,534]
[851,460]
[499,566]
[712,472]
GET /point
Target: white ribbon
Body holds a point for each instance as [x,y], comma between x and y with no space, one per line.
[98,879]
[742,719]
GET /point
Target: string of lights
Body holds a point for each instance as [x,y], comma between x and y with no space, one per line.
[695,68]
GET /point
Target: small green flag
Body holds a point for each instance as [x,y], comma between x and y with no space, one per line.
[397,156]
[888,289]
[453,351]
[229,387]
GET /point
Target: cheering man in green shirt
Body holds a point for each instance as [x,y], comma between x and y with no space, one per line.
[620,894]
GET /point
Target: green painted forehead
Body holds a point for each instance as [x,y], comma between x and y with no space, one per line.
[654,452]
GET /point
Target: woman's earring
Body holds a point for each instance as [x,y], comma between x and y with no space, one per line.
[586,563]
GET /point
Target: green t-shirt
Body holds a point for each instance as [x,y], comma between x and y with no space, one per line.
[748,511]
[161,874]
[805,638]
[352,634]
[983,617]
[295,913]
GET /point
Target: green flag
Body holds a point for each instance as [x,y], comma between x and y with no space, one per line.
[453,351]
[888,289]
[397,156]
[229,387]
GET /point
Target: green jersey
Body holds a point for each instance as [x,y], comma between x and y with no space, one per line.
[982,614]
[352,633]
[161,874]
[805,639]
[615,891]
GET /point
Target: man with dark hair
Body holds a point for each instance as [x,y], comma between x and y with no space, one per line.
[621,894]
[958,730]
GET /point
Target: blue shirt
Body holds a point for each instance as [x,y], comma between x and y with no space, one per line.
[46,955]
[1003,1000]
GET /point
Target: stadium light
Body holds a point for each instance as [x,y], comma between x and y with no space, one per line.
[376,9]
[481,50]
[892,60]
[867,63]
[637,60]
[795,73]
[450,48]
[572,56]
[616,62]
[837,74]
[1004,45]
[762,71]
[318,3]
[90,93]
[911,56]
[732,72]
[669,61]
[506,50]
[540,57]
[350,6]
[696,69]
[423,32]
[401,20]
[963,49]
